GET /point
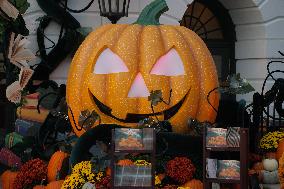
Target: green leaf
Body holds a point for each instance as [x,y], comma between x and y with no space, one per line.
[236,85]
[97,151]
[155,97]
[247,88]
[88,119]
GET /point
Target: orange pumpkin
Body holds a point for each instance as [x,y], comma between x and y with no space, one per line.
[55,184]
[280,149]
[57,161]
[51,185]
[118,65]
[125,162]
[194,184]
[7,179]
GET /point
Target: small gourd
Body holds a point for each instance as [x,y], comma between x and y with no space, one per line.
[7,179]
[57,166]
[194,184]
[55,184]
[270,164]
[270,177]
[89,185]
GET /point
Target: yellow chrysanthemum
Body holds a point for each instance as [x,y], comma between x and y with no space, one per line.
[270,140]
[81,174]
[157,180]
[74,181]
[142,163]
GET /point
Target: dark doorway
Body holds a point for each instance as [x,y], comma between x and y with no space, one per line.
[212,22]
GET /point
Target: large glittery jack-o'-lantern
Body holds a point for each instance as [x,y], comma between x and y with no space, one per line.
[118,65]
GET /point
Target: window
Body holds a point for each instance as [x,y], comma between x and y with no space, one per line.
[202,21]
[212,22]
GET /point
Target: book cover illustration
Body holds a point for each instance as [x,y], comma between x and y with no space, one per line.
[128,139]
[216,137]
[228,169]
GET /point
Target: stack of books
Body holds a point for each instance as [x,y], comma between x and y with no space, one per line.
[29,117]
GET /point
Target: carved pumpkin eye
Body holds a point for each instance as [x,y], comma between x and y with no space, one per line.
[169,64]
[109,62]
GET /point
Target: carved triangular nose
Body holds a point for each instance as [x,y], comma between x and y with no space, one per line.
[138,88]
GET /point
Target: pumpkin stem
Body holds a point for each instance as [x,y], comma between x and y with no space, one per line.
[151,14]
[42,181]
[62,148]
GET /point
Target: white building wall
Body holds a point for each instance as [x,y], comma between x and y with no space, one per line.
[259,29]
[259,38]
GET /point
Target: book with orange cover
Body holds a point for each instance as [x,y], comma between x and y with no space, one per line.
[32,114]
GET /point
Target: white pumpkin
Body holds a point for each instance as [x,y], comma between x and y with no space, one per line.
[89,185]
[270,177]
[270,164]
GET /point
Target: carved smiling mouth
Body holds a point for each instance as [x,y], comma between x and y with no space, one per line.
[135,118]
